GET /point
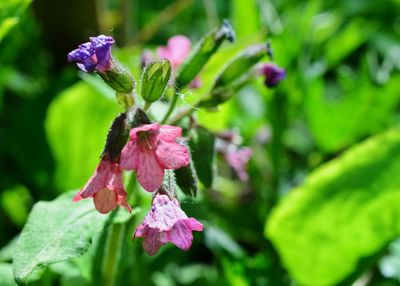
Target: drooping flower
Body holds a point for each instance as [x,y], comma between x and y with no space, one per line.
[106,188]
[273,74]
[166,222]
[93,55]
[152,149]
[177,49]
[238,160]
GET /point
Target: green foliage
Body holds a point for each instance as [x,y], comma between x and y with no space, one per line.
[202,52]
[245,17]
[6,275]
[345,211]
[10,10]
[76,125]
[55,231]
[336,123]
[155,78]
[203,153]
[186,179]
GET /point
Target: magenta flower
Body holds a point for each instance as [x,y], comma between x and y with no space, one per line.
[105,186]
[93,55]
[176,51]
[151,150]
[273,74]
[166,222]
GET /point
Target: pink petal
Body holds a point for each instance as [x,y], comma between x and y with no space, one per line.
[163,53]
[179,47]
[149,172]
[97,181]
[181,235]
[140,231]
[169,133]
[151,243]
[172,155]
[193,224]
[129,156]
[145,128]
[177,50]
[121,199]
[105,201]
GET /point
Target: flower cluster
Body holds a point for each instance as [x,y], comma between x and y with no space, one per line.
[153,150]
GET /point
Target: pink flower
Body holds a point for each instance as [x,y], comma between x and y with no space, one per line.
[238,159]
[166,222]
[151,150]
[105,186]
[177,49]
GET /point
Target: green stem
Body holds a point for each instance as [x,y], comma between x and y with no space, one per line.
[147,106]
[171,107]
[182,114]
[278,119]
[113,251]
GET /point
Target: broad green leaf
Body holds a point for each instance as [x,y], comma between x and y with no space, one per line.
[365,108]
[345,211]
[202,52]
[155,78]
[203,154]
[76,127]
[55,231]
[7,251]
[6,275]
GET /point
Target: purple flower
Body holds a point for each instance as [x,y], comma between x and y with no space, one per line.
[273,74]
[94,55]
[166,222]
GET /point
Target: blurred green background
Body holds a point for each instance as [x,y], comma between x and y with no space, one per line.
[326,142]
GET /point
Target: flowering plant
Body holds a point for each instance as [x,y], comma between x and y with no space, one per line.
[158,146]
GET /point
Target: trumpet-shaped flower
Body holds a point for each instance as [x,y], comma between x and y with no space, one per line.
[105,186]
[166,222]
[152,149]
[93,55]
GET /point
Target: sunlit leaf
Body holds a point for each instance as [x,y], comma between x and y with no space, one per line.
[55,231]
[346,211]
[76,125]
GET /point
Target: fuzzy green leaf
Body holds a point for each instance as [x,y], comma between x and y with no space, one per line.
[56,231]
[346,211]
